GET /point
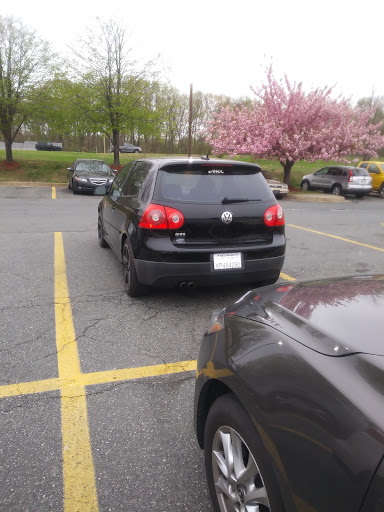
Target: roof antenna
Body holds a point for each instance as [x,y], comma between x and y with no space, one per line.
[205,157]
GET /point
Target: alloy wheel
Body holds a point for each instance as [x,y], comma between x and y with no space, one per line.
[238,481]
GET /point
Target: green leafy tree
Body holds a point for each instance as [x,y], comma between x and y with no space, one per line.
[114,87]
[24,69]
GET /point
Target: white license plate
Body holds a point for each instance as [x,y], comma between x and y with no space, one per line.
[227,261]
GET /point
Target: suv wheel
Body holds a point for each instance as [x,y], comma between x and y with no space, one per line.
[305,185]
[131,282]
[337,190]
[382,191]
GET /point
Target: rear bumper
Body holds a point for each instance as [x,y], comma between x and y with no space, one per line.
[358,189]
[154,273]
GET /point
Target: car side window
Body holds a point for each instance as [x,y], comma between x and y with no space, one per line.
[364,165]
[374,169]
[136,179]
[118,182]
[321,172]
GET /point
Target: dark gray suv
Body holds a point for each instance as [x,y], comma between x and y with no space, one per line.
[339,180]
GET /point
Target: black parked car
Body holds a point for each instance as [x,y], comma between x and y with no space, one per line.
[86,174]
[289,399]
[190,222]
[48,146]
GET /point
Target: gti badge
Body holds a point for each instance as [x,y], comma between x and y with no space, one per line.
[180,238]
[226,217]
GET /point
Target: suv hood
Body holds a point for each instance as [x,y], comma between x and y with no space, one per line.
[336,317]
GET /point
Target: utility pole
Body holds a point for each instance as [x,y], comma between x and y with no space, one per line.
[190,123]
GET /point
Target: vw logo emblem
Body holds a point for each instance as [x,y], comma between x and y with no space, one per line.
[226,217]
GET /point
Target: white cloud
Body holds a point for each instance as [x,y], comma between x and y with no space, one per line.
[223,47]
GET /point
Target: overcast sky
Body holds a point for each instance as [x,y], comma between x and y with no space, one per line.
[224,47]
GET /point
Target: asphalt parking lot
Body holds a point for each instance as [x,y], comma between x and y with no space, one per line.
[96,388]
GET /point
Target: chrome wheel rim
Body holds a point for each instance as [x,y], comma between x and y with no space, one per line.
[336,191]
[382,192]
[304,186]
[126,267]
[237,478]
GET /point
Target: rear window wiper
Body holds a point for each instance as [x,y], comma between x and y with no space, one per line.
[228,200]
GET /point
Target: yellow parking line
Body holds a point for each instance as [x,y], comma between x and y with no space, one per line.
[287,277]
[29,388]
[78,470]
[337,237]
[53,192]
[91,379]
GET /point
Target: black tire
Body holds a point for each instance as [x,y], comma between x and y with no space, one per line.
[131,282]
[100,234]
[381,191]
[69,185]
[74,190]
[337,190]
[228,419]
[360,195]
[136,151]
[305,185]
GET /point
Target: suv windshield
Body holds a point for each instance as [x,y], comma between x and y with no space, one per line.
[213,184]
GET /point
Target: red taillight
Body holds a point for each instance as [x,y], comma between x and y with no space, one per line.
[161,217]
[175,218]
[274,216]
[350,175]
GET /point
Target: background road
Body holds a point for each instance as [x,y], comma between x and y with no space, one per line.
[144,450]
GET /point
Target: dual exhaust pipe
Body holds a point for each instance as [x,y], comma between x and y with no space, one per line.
[187,284]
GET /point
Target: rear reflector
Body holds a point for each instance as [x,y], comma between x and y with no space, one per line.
[161,217]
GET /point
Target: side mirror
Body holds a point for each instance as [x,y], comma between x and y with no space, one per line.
[101,191]
[69,169]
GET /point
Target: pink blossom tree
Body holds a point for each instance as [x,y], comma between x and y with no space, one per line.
[286,123]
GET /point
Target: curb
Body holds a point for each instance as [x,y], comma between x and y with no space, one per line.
[31,184]
[315,198]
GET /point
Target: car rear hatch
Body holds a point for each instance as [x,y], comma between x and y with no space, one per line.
[360,176]
[222,204]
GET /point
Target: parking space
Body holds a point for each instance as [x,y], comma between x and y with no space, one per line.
[96,391]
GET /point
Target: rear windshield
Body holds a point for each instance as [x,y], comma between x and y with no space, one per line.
[359,171]
[219,184]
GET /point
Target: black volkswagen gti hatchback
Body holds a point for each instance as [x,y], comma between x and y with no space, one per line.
[188,222]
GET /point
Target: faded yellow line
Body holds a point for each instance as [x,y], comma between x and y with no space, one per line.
[90,379]
[53,192]
[287,277]
[337,238]
[29,388]
[80,492]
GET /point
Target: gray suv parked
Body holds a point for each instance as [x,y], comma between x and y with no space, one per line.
[339,180]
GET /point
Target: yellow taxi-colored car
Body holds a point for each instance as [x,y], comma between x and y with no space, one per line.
[376,170]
